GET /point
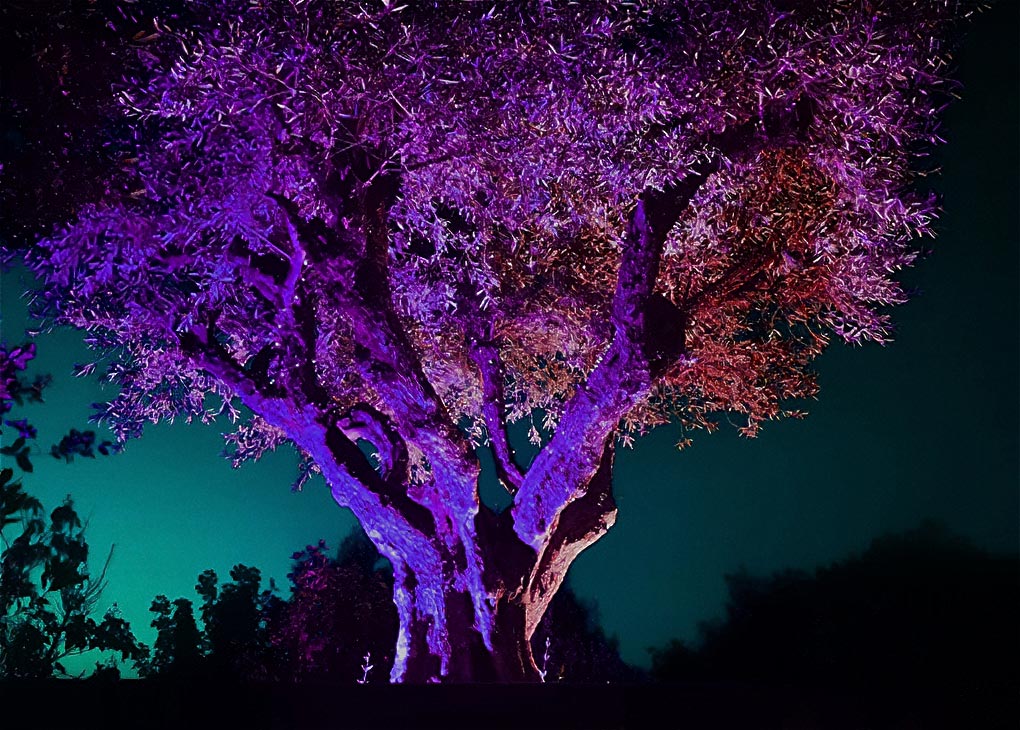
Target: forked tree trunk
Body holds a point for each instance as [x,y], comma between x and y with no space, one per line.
[445,637]
[470,586]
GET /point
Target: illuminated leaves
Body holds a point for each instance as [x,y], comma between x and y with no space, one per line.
[520,141]
[251,439]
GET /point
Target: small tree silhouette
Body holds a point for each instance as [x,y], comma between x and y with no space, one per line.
[341,611]
[233,640]
[47,592]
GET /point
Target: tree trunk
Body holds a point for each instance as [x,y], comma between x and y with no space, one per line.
[469,590]
[443,634]
[448,645]
[467,658]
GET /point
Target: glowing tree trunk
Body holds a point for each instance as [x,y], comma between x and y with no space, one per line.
[472,618]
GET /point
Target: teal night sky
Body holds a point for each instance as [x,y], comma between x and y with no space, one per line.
[924,428]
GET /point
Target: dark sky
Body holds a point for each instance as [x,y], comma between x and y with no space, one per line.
[926,427]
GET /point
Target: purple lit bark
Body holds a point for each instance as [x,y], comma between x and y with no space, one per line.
[456,650]
[580,525]
[623,376]
[486,357]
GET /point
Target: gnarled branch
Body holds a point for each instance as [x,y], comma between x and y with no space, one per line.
[355,482]
[366,422]
[490,365]
[579,526]
[618,382]
[394,369]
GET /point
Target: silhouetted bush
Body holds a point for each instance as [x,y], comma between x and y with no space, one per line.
[47,592]
[338,619]
[921,610]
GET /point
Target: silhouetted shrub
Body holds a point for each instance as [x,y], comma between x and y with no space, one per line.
[923,609]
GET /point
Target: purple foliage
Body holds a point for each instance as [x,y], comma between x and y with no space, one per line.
[13,360]
[25,429]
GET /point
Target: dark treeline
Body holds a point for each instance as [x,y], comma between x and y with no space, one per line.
[922,610]
[338,625]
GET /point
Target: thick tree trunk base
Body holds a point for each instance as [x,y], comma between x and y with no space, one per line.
[470,660]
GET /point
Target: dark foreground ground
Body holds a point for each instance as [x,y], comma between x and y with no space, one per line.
[151,705]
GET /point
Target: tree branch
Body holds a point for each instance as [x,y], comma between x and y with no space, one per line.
[622,377]
[367,423]
[394,369]
[258,280]
[581,524]
[625,373]
[356,268]
[391,492]
[317,241]
[306,333]
[486,357]
[356,483]
[389,362]
[297,257]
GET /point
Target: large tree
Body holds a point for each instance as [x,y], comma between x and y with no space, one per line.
[394,229]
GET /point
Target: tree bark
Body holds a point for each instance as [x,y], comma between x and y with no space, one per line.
[463,656]
[442,638]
